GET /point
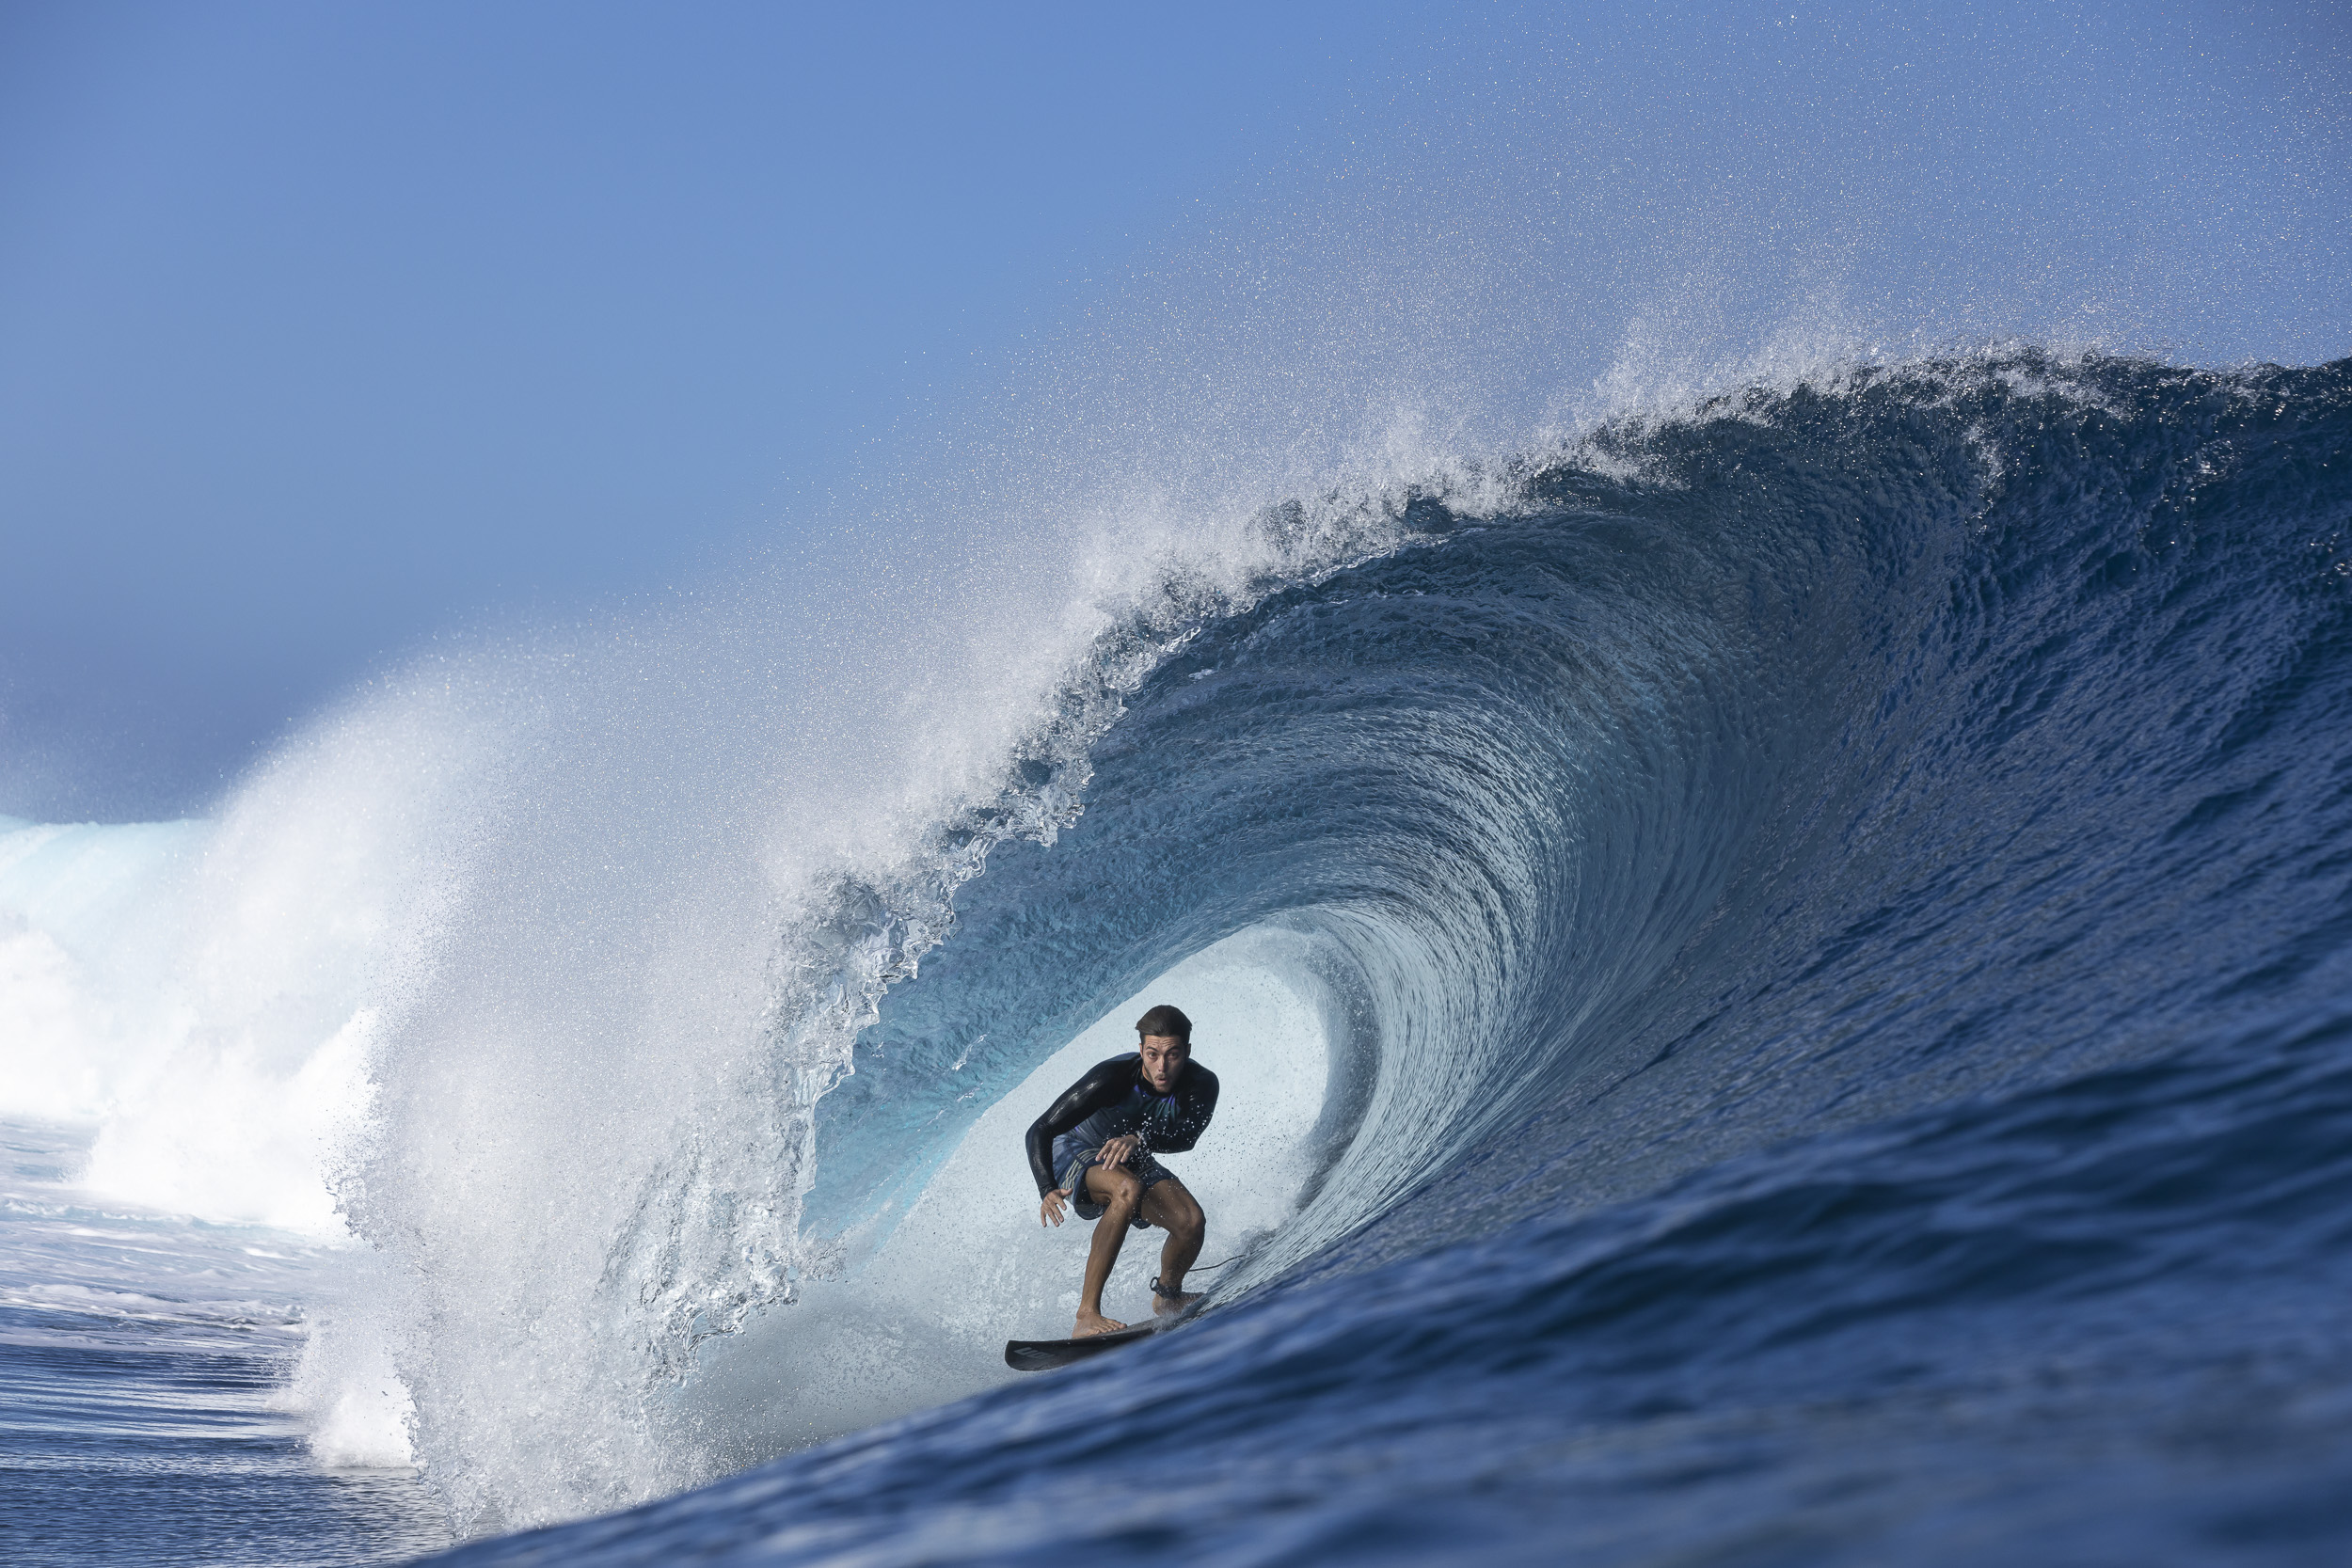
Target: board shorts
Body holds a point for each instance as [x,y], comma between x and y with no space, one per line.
[1073,1171]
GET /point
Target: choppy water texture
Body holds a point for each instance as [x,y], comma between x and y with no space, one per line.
[1834,913]
[143,1365]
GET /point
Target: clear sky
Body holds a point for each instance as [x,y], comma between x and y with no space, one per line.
[326,328]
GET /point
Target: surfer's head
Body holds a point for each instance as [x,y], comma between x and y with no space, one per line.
[1164,1037]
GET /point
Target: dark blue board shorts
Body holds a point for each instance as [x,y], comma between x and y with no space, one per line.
[1074,1181]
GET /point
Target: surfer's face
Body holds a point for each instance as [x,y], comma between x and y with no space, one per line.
[1163,1059]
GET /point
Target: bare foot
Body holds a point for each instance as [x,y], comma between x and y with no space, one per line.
[1091,1324]
[1168,1306]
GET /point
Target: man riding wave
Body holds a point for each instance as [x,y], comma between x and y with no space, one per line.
[1094,1147]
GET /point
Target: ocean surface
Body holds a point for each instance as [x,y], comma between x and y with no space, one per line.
[144,1363]
[1782,970]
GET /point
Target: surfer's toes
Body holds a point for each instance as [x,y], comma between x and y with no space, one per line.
[1086,1330]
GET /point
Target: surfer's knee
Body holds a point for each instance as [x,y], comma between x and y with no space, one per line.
[1177,1212]
[1125,1191]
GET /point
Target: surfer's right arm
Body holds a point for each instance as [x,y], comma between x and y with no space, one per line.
[1105,1084]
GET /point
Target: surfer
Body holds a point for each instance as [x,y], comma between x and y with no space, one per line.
[1101,1136]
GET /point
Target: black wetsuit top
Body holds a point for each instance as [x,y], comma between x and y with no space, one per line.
[1113,1100]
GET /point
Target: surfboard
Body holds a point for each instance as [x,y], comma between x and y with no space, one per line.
[1037,1355]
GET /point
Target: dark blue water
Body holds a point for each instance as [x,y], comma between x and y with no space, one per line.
[1838,913]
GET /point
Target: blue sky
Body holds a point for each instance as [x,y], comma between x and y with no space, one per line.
[330,328]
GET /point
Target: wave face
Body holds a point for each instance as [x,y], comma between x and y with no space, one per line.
[1827,919]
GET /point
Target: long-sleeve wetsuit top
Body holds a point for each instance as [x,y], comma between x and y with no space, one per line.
[1112,1100]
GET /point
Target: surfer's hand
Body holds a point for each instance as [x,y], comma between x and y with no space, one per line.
[1119,1149]
[1049,1207]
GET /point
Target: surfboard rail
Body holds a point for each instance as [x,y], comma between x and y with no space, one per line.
[1039,1356]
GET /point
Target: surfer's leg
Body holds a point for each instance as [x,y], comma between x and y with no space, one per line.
[1175,1210]
[1118,1191]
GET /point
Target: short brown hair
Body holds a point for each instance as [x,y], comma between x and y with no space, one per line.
[1165,1019]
